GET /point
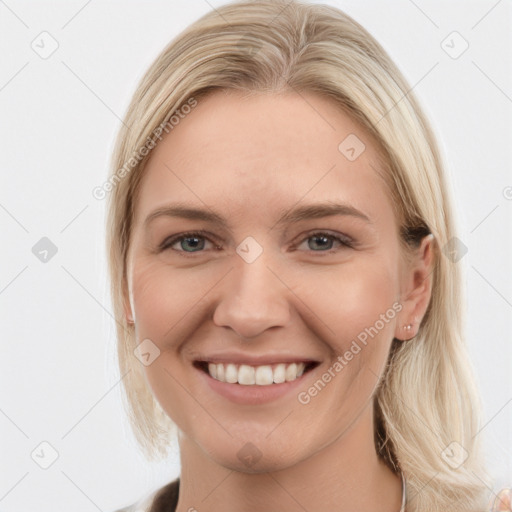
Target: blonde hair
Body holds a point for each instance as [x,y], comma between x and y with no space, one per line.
[426,400]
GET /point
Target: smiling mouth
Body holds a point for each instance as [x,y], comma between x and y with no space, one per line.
[263,375]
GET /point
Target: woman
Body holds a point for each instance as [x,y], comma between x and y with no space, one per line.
[281,251]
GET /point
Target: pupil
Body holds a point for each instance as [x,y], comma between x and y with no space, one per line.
[321,238]
[194,244]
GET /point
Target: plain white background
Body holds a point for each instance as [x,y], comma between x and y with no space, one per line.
[59,116]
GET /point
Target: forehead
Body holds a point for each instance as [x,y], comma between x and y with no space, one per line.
[244,154]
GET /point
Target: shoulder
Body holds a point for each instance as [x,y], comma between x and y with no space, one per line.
[162,499]
[502,501]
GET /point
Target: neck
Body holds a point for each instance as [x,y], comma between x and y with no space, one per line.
[346,475]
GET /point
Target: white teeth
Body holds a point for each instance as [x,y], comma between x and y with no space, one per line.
[291,372]
[220,373]
[264,375]
[231,373]
[246,375]
[279,373]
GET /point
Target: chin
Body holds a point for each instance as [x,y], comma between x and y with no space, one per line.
[254,455]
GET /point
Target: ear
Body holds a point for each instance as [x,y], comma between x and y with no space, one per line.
[128,313]
[416,289]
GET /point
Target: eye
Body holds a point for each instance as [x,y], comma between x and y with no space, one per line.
[324,241]
[189,242]
[195,241]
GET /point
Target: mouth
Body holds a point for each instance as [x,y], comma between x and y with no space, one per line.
[261,375]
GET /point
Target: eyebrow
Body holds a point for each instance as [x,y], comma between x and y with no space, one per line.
[293,215]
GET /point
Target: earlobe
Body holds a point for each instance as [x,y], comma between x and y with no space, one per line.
[129,316]
[127,306]
[417,290]
[128,313]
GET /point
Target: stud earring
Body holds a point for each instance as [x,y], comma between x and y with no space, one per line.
[408,329]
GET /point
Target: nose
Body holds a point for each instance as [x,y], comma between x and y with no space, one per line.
[253,298]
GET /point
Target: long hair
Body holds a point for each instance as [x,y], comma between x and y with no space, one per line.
[427,410]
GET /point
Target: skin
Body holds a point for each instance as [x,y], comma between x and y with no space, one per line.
[248,158]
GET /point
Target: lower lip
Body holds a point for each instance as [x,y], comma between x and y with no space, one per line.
[253,394]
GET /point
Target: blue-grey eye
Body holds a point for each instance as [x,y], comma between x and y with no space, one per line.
[324,242]
[193,241]
[324,239]
[188,242]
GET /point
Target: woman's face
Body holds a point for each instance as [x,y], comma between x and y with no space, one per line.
[277,275]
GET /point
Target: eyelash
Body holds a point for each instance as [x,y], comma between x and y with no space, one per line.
[168,243]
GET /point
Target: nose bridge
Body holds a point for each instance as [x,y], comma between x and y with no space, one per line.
[252,297]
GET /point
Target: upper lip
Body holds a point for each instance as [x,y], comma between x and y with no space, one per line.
[252,360]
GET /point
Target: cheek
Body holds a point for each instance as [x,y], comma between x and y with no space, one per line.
[161,296]
[352,300]
[161,300]
[151,302]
